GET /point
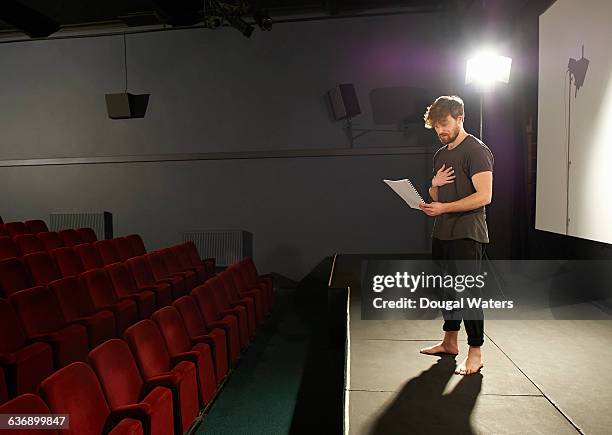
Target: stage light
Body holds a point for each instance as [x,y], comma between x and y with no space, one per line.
[486,68]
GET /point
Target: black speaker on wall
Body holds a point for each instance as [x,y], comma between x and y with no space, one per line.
[124,105]
[343,101]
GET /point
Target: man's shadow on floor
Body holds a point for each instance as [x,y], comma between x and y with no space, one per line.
[421,408]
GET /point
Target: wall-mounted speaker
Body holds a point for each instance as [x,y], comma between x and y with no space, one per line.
[124,105]
[343,101]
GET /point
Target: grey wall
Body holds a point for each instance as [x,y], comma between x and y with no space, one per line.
[215,91]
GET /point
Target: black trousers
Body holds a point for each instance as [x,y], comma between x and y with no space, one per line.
[444,252]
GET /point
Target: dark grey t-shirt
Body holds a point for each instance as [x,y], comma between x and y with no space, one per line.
[470,157]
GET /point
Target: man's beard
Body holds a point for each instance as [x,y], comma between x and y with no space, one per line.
[446,139]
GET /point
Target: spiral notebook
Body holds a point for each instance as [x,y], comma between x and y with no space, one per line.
[406,191]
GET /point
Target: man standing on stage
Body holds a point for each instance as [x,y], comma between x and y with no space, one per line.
[461,187]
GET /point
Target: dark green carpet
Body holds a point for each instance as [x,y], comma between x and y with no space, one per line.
[260,396]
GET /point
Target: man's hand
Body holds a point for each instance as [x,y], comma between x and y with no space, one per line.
[443,176]
[433,209]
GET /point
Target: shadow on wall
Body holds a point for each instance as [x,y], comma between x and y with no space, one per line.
[286,260]
[421,408]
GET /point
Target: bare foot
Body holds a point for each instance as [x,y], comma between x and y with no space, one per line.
[440,348]
[472,363]
[448,346]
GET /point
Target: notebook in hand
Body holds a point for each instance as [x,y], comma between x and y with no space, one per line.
[406,191]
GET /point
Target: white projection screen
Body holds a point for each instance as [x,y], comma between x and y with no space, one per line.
[575,201]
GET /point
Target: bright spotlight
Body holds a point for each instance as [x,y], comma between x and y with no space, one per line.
[486,68]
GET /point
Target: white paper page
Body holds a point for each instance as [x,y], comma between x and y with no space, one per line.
[406,191]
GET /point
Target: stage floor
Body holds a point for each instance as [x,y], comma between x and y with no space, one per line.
[539,376]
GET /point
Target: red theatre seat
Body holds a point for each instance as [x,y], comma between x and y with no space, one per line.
[70,237]
[108,252]
[29,243]
[196,260]
[13,277]
[8,248]
[68,261]
[125,390]
[28,404]
[90,257]
[213,317]
[243,287]
[78,307]
[224,306]
[182,256]
[255,312]
[160,272]
[254,278]
[42,320]
[143,275]
[138,246]
[15,228]
[124,248]
[104,298]
[50,240]
[155,365]
[174,267]
[42,268]
[36,226]
[179,345]
[25,364]
[88,235]
[76,391]
[125,288]
[227,342]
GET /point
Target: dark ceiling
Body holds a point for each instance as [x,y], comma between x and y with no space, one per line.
[41,18]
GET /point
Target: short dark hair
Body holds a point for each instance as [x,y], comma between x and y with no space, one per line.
[445,105]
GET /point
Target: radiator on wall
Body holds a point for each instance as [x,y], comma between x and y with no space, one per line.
[101,223]
[226,246]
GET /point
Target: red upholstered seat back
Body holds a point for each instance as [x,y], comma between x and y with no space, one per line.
[50,240]
[73,297]
[148,347]
[100,287]
[141,271]
[8,248]
[29,243]
[89,255]
[124,248]
[68,261]
[173,330]
[36,226]
[15,228]
[88,235]
[38,310]
[192,318]
[107,251]
[12,336]
[13,277]
[118,373]
[75,390]
[122,280]
[138,246]
[42,268]
[70,237]
[27,404]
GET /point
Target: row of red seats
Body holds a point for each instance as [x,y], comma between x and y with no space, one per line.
[73,312]
[43,267]
[33,226]
[23,244]
[185,348]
